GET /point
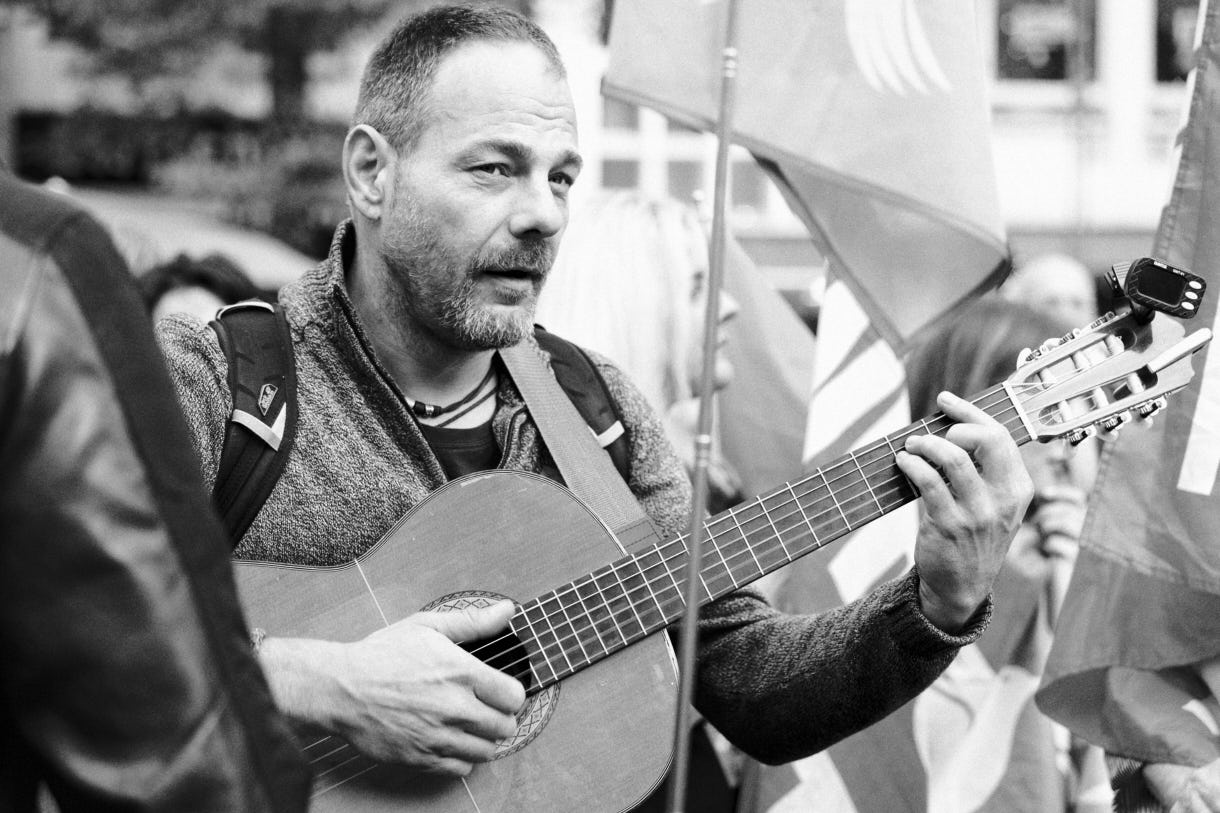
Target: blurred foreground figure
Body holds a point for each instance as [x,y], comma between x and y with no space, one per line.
[630,281]
[128,681]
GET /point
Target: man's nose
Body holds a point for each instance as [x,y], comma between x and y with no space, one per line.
[538,212]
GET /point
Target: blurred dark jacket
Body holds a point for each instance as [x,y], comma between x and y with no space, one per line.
[127,680]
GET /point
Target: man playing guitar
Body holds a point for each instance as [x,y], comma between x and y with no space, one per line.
[458,168]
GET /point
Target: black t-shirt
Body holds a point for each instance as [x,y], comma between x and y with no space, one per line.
[463,451]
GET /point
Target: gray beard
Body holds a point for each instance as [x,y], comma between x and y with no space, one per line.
[476,327]
[458,318]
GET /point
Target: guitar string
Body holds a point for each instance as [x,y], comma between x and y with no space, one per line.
[812,523]
[927,424]
[933,424]
[581,628]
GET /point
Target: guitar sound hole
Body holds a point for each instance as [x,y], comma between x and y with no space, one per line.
[506,653]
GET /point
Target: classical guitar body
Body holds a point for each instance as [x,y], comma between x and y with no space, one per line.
[599,740]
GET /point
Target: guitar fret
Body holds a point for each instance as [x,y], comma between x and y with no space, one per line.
[548,615]
[563,608]
[679,591]
[831,492]
[750,549]
[610,589]
[854,500]
[627,596]
[593,601]
[535,677]
[637,561]
[720,554]
[741,562]
[662,562]
[867,484]
[538,637]
[804,516]
[778,536]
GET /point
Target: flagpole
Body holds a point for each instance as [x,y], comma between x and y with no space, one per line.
[703,434]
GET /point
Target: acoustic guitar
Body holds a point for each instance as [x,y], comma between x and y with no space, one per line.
[595,733]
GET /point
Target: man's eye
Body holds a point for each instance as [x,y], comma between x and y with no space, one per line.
[493,169]
[563,179]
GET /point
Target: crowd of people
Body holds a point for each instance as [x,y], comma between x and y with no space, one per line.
[132,679]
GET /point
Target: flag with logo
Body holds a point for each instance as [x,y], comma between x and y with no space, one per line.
[1134,666]
[872,120]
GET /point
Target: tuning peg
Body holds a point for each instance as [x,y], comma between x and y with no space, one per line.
[1113,423]
[1146,410]
[1078,436]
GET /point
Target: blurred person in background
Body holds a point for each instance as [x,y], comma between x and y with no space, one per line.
[630,281]
[128,681]
[199,287]
[972,352]
[1057,284]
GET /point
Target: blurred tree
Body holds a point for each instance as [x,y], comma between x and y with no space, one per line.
[142,39]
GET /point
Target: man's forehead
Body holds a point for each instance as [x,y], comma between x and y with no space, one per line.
[502,92]
[486,72]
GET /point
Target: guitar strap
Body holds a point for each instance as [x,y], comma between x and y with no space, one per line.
[585,466]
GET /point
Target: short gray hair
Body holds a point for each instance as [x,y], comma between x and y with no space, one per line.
[399,75]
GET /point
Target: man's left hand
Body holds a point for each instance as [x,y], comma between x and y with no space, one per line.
[975,490]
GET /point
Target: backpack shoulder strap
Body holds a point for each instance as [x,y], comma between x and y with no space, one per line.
[587,390]
[255,339]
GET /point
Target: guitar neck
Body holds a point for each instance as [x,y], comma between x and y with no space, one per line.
[585,620]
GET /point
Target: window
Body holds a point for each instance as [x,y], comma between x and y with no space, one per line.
[749,185]
[685,178]
[1175,38]
[620,174]
[1038,39]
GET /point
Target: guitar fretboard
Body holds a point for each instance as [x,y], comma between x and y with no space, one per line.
[602,612]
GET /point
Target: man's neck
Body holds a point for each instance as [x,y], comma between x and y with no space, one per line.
[422,365]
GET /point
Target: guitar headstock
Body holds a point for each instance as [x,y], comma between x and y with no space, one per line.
[1119,367]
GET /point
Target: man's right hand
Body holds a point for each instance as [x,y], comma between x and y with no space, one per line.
[406,693]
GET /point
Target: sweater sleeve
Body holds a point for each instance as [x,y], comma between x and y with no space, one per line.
[782,686]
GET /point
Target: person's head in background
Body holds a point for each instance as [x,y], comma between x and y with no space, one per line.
[978,349]
[199,286]
[1056,284]
[630,281]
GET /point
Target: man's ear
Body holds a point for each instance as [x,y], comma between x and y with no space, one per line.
[368,170]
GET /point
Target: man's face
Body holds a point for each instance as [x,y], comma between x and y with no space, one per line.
[479,203]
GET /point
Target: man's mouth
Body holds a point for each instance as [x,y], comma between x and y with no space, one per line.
[512,273]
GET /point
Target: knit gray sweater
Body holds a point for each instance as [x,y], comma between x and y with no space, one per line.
[779,686]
